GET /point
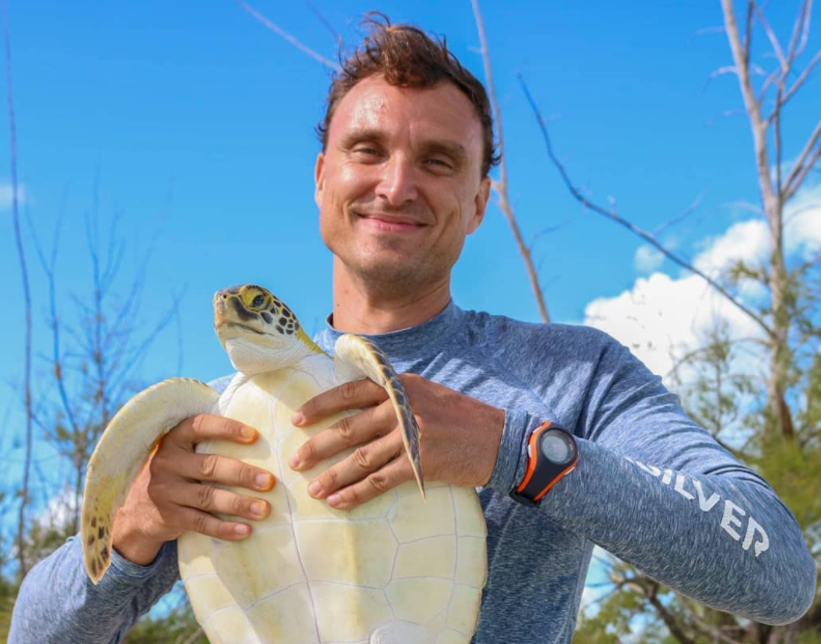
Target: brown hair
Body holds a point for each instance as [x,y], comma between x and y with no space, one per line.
[407,57]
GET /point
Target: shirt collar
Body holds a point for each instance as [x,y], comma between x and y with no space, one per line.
[409,342]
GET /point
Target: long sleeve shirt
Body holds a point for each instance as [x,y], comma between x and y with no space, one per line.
[651,487]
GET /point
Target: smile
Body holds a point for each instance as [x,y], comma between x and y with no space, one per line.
[390,225]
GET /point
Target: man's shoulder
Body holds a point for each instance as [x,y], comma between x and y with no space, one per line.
[484,328]
[221,384]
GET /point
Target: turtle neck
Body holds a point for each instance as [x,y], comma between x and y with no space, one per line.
[412,342]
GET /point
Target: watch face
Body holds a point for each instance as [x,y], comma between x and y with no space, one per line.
[557,447]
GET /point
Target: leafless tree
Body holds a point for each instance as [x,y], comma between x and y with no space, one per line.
[21,254]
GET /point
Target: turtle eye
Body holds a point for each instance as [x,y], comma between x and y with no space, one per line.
[258,301]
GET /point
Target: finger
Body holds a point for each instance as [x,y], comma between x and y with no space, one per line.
[363,462]
[215,500]
[395,473]
[347,432]
[192,520]
[204,427]
[356,394]
[215,469]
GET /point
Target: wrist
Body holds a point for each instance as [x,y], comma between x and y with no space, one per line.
[508,470]
[131,544]
[551,454]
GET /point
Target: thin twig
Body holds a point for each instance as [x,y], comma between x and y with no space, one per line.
[687,212]
[284,34]
[21,255]
[325,22]
[801,78]
[806,160]
[771,36]
[500,186]
[609,213]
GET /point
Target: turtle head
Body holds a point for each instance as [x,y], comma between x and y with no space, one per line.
[258,331]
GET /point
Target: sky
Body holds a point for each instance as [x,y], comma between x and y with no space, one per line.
[192,125]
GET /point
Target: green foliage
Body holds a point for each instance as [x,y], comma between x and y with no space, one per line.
[44,536]
[809,638]
[175,626]
[795,474]
[725,385]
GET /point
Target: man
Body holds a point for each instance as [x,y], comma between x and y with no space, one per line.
[402,179]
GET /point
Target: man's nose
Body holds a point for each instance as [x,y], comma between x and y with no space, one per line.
[398,183]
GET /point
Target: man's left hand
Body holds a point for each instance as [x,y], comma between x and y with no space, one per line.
[459,440]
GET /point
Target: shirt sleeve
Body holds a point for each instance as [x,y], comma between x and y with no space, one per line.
[58,604]
[656,490]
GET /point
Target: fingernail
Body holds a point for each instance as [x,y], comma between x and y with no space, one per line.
[248,432]
[241,530]
[258,508]
[314,489]
[297,418]
[333,499]
[263,481]
[294,462]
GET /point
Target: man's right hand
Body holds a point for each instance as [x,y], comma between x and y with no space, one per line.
[172,494]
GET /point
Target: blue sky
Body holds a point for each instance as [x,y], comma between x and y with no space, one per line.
[196,123]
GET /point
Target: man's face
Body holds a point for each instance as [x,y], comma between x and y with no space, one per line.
[399,185]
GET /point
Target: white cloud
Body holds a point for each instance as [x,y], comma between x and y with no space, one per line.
[661,317]
[647,259]
[745,241]
[802,230]
[7,195]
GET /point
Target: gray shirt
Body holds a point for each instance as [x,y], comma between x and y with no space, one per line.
[651,487]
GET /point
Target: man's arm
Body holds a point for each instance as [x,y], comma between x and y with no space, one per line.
[655,489]
[651,486]
[58,604]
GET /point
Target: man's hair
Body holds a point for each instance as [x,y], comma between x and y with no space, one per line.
[407,57]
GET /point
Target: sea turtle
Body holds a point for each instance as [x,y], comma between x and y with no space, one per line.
[396,570]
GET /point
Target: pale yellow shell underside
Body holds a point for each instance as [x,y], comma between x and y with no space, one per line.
[397,570]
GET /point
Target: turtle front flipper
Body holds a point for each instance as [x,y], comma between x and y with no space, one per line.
[121,453]
[357,357]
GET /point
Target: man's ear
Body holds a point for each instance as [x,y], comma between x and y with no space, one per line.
[319,178]
[480,205]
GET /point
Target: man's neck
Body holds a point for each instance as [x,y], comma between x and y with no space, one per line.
[359,308]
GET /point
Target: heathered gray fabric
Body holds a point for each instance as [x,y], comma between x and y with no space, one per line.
[650,487]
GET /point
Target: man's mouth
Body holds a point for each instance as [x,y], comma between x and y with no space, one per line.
[390,223]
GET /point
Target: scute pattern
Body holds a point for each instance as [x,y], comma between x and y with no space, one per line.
[398,567]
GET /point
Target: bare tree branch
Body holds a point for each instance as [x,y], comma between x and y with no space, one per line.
[284,34]
[686,213]
[805,162]
[801,78]
[750,102]
[609,213]
[49,268]
[500,186]
[21,255]
[771,36]
[748,33]
[325,22]
[801,32]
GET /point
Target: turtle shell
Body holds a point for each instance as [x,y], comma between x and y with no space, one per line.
[396,570]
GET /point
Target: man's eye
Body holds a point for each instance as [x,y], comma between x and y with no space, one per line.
[366,151]
[439,163]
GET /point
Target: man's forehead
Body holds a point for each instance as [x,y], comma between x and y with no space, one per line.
[372,104]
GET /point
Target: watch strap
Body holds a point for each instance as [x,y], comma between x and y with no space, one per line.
[541,474]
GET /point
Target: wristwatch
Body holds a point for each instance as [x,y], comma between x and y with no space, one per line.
[551,454]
